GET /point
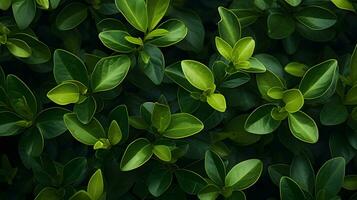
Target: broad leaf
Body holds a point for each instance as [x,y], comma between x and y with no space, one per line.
[260,121]
[215,168]
[183,125]
[303,127]
[135,12]
[198,74]
[136,154]
[244,174]
[229,26]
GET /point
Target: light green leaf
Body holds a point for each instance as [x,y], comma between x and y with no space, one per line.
[229,26]
[95,186]
[303,127]
[344,4]
[87,134]
[161,117]
[156,9]
[134,40]
[177,31]
[109,72]
[318,79]
[293,100]
[5,4]
[244,174]
[260,121]
[350,182]
[18,48]
[217,101]
[136,154]
[198,74]
[114,133]
[115,40]
[275,93]
[163,152]
[296,69]
[266,81]
[209,192]
[224,48]
[183,125]
[81,195]
[293,2]
[243,49]
[64,94]
[156,33]
[135,12]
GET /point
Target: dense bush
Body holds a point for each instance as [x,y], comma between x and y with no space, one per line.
[180,99]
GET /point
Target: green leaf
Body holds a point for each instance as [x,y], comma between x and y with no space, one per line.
[350,182]
[280,25]
[276,93]
[80,195]
[330,177]
[134,40]
[266,81]
[244,174]
[333,112]
[177,31]
[40,53]
[254,66]
[5,4]
[64,94]
[303,173]
[11,124]
[74,170]
[353,66]
[215,168]
[18,48]
[293,100]
[24,12]
[217,101]
[318,79]
[237,195]
[71,16]
[115,40]
[161,117]
[159,181]
[303,127]
[163,152]
[293,2]
[198,74]
[32,143]
[95,186]
[85,110]
[68,66]
[224,48]
[237,133]
[344,4]
[156,9]
[229,26]
[189,181]
[109,72]
[276,171]
[183,125]
[43,4]
[296,69]
[48,193]
[136,154]
[243,49]
[120,115]
[175,73]
[260,121]
[87,134]
[114,133]
[156,33]
[135,12]
[21,98]
[290,190]
[209,192]
[50,122]
[316,18]
[152,63]
[351,96]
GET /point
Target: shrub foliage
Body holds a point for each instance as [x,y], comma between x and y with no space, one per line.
[160,99]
